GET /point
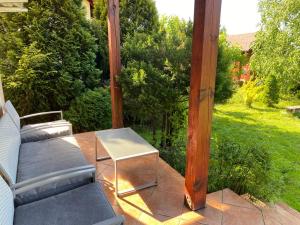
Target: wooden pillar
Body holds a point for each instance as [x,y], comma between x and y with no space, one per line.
[202,86]
[115,62]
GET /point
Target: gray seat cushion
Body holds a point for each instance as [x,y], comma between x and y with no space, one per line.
[42,131]
[6,204]
[85,205]
[40,158]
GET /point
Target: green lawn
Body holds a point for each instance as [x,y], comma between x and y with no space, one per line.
[276,130]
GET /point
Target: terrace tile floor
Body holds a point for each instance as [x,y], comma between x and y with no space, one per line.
[163,204]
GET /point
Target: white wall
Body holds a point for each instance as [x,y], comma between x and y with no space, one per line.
[86,5]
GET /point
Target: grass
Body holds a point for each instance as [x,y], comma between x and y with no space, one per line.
[274,129]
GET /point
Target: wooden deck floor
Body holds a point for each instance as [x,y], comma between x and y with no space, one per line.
[164,204]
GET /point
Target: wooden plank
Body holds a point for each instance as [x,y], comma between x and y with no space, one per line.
[293,109]
[13,1]
[115,62]
[12,9]
[202,85]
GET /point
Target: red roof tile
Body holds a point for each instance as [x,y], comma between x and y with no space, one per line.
[242,40]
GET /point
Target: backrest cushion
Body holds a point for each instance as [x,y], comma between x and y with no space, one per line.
[10,109]
[10,142]
[6,204]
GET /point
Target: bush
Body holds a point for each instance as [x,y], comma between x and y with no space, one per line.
[91,111]
[297,115]
[271,92]
[298,94]
[243,169]
[251,92]
[47,55]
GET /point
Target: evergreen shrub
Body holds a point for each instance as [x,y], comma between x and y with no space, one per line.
[90,111]
[271,92]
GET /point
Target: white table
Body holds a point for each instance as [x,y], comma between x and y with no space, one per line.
[122,144]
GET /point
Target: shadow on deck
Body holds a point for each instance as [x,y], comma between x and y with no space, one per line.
[164,204]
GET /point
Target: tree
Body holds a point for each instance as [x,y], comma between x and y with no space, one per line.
[277,46]
[135,16]
[271,91]
[47,56]
[145,85]
[138,16]
[227,55]
[155,78]
[156,75]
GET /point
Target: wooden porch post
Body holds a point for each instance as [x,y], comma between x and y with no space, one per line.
[202,86]
[115,62]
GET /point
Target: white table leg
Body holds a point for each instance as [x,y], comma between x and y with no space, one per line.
[136,188]
[157,164]
[116,178]
[96,149]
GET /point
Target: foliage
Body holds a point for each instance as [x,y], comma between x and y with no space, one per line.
[138,16]
[243,169]
[102,54]
[271,91]
[156,73]
[252,91]
[277,46]
[276,144]
[155,77]
[297,115]
[227,55]
[90,111]
[272,129]
[135,16]
[47,56]
[100,12]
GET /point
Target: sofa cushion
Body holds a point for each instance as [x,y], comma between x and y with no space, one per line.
[10,109]
[43,157]
[6,204]
[85,205]
[43,131]
[9,148]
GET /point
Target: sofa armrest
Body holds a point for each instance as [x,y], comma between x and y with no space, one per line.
[43,113]
[52,177]
[117,220]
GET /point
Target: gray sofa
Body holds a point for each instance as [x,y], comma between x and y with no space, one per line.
[86,205]
[49,182]
[31,162]
[39,131]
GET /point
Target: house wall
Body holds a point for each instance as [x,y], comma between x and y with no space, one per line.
[86,4]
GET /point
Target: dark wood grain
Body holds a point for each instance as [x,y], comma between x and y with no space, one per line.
[202,86]
[115,63]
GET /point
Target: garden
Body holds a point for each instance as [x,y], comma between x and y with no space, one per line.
[54,58]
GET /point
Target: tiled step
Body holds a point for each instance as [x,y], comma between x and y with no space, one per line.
[289,209]
[278,214]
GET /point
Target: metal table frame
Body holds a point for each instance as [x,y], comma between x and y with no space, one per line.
[136,188]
